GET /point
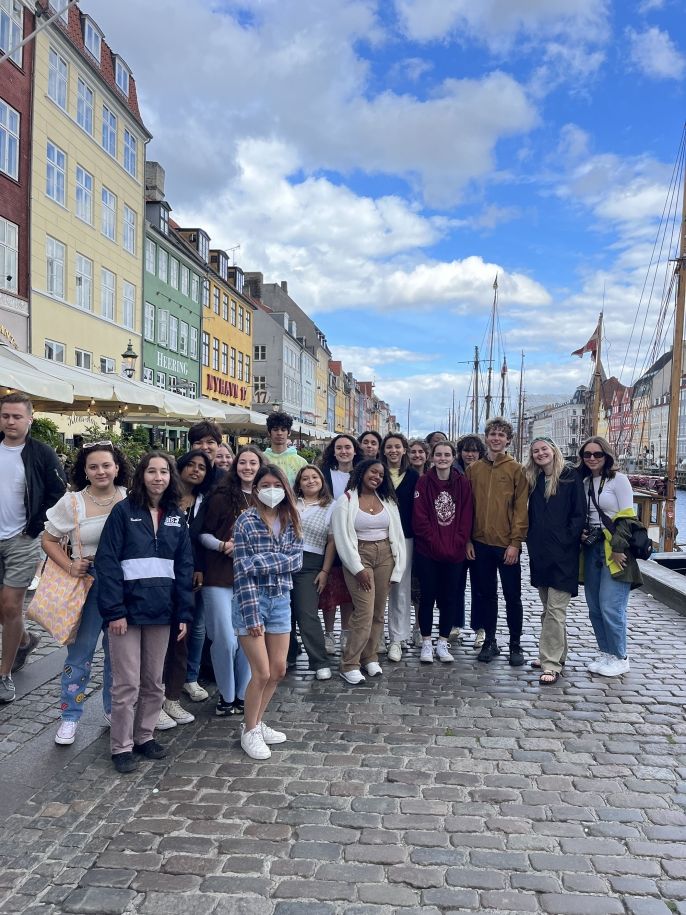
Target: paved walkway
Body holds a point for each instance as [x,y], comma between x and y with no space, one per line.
[454,789]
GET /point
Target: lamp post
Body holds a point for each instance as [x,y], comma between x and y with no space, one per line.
[128,358]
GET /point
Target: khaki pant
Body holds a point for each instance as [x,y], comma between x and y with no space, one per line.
[552,648]
[137,660]
[367,620]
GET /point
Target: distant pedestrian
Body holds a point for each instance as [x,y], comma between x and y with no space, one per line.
[370,443]
[224,456]
[557,512]
[470,448]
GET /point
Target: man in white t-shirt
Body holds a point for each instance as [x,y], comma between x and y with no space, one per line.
[33,480]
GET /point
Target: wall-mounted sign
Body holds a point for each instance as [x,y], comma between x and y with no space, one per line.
[218,385]
[7,334]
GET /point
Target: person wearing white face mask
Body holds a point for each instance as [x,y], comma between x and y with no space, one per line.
[267,549]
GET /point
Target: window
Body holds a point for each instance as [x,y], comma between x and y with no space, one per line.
[57,78]
[205,347]
[160,380]
[162,265]
[55,255]
[162,327]
[225,307]
[247,369]
[108,288]
[84,282]
[185,278]
[11,28]
[83,359]
[241,317]
[92,39]
[260,353]
[9,255]
[129,231]
[240,366]
[131,155]
[195,287]
[108,221]
[225,358]
[183,338]
[84,107]
[204,246]
[216,300]
[192,389]
[260,383]
[54,176]
[232,365]
[150,252]
[164,220]
[215,354]
[148,376]
[54,351]
[121,77]
[247,321]
[109,131]
[174,272]
[107,365]
[194,344]
[84,195]
[233,312]
[173,333]
[149,325]
[206,293]
[64,16]
[128,318]
[9,140]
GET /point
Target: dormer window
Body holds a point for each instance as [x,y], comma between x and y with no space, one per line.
[164,220]
[204,246]
[92,39]
[121,75]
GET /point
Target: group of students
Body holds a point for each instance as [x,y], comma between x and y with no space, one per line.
[251,554]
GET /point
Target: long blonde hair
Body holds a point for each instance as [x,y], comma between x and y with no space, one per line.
[532,470]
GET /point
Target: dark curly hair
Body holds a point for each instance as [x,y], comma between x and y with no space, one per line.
[328,458]
[385,490]
[375,435]
[405,460]
[185,459]
[79,480]
[139,494]
[470,442]
[278,420]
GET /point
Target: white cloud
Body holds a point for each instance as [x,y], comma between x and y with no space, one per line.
[654,53]
[364,361]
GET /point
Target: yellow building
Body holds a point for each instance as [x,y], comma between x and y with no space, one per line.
[227,335]
[87,199]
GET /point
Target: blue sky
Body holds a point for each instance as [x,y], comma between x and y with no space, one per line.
[388,158]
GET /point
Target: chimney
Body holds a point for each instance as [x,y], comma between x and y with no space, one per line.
[254,283]
[154,182]
[284,286]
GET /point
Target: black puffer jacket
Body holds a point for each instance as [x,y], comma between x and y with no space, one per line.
[554,537]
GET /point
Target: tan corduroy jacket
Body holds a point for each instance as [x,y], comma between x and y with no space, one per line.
[501,497]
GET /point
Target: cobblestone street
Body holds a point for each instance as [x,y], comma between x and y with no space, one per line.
[446,788]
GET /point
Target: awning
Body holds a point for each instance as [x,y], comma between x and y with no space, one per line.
[18,376]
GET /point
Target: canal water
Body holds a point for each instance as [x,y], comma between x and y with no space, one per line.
[681,516]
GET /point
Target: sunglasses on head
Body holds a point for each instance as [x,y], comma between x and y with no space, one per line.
[594,454]
[90,445]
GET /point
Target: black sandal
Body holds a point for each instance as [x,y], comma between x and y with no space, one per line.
[549,678]
[536,664]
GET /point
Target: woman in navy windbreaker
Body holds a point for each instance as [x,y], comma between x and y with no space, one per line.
[144,564]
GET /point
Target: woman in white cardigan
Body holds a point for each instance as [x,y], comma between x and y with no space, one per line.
[371,545]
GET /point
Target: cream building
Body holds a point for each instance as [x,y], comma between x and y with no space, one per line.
[87,199]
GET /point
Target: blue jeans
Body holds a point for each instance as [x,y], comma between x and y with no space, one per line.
[195,639]
[275,614]
[77,667]
[231,668]
[607,601]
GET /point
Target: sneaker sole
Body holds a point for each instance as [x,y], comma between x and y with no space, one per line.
[349,682]
[164,727]
[64,741]
[256,755]
[446,660]
[426,660]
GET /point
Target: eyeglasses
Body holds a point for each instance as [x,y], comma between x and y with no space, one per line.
[88,446]
[594,454]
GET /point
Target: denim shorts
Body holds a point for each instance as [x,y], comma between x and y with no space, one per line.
[275,614]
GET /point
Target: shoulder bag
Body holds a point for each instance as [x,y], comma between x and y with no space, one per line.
[640,544]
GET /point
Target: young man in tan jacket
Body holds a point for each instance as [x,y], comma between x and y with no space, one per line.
[501,522]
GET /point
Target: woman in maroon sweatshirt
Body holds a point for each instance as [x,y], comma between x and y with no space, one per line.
[442,524]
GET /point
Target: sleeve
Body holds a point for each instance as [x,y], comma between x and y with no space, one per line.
[244,584]
[422,516]
[288,560]
[623,492]
[55,482]
[520,515]
[108,566]
[346,549]
[60,518]
[184,602]
[210,542]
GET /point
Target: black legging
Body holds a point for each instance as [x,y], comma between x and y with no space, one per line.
[438,583]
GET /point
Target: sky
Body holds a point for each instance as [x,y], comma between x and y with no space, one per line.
[390,158]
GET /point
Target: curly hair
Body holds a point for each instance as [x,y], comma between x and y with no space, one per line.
[79,479]
[139,494]
[279,420]
[328,458]
[384,491]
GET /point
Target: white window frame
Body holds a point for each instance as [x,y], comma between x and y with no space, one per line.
[247,369]
[122,75]
[195,288]
[54,351]
[161,380]
[163,264]
[148,375]
[128,313]
[173,272]
[108,365]
[56,174]
[183,338]
[185,280]
[11,28]
[84,282]
[108,214]
[10,126]
[173,333]
[150,256]
[206,293]
[260,352]
[232,362]
[240,366]
[149,322]
[92,39]
[56,262]
[58,77]
[130,153]
[225,358]
[194,342]
[109,131]
[162,327]
[83,359]
[9,255]
[84,195]
[85,107]
[129,230]
[108,294]
[247,321]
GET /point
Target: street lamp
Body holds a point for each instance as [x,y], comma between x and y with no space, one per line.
[128,358]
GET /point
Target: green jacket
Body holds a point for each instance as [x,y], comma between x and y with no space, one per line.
[618,542]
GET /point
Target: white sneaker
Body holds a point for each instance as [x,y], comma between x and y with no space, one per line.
[175,710]
[417,639]
[195,691]
[330,643]
[381,645]
[253,743]
[324,673]
[269,735]
[66,733]
[455,635]
[427,653]
[479,639]
[395,651]
[373,669]
[613,667]
[164,722]
[598,662]
[443,652]
[32,587]
[352,676]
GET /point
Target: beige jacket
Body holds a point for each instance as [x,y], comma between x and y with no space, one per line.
[501,498]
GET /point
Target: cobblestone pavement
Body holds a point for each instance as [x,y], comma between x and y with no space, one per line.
[445,788]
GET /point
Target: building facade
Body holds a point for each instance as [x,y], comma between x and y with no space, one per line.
[87,200]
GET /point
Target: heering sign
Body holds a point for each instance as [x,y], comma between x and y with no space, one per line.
[218,385]
[177,366]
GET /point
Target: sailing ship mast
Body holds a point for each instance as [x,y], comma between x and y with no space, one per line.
[597,379]
[520,414]
[475,395]
[489,395]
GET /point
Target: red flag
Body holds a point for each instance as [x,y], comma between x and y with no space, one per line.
[592,345]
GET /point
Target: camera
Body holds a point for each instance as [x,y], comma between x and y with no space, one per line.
[593,535]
